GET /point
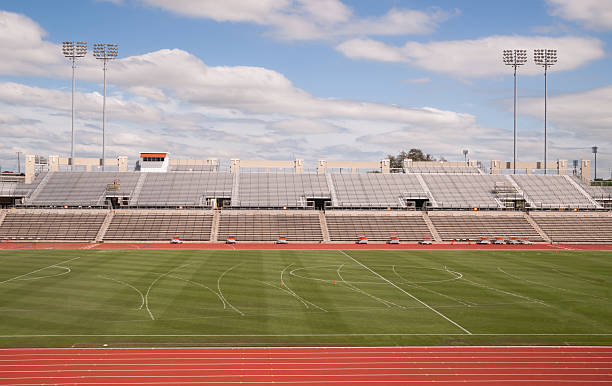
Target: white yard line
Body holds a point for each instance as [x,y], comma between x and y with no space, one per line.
[38,270]
[409,294]
[151,286]
[221,292]
[130,286]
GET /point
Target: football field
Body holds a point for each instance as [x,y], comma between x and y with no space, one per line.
[82,298]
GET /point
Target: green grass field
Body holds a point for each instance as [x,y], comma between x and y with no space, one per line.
[126,298]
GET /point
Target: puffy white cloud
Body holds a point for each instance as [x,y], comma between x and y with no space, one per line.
[307,19]
[476,58]
[304,126]
[594,14]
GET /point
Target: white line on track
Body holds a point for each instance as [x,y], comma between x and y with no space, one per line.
[130,286]
[151,286]
[407,293]
[38,270]
[221,292]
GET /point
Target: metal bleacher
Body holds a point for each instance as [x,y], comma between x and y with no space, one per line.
[80,188]
[189,189]
[277,190]
[474,225]
[376,225]
[464,191]
[269,225]
[443,170]
[48,225]
[376,190]
[553,192]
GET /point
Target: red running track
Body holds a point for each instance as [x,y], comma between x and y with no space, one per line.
[364,365]
[299,246]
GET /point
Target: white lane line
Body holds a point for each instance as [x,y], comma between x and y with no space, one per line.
[409,294]
[330,381]
[387,303]
[201,285]
[221,292]
[130,286]
[502,291]
[151,286]
[38,270]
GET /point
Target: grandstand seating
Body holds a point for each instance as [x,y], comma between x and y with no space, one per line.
[576,227]
[552,191]
[269,225]
[52,225]
[160,225]
[376,190]
[182,189]
[277,190]
[443,169]
[466,225]
[376,225]
[80,188]
[464,191]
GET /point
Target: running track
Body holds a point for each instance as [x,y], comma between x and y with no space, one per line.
[300,246]
[374,365]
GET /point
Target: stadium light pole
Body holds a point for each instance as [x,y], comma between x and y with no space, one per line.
[465,153]
[73,51]
[545,58]
[105,52]
[515,58]
[594,150]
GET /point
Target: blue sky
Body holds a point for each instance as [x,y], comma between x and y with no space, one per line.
[334,79]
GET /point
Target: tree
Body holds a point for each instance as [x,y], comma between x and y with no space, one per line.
[397,162]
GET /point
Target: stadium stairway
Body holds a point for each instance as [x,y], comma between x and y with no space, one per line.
[584,193]
[214,231]
[105,225]
[324,229]
[538,229]
[2,215]
[432,228]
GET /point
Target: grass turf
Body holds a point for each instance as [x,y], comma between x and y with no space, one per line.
[60,298]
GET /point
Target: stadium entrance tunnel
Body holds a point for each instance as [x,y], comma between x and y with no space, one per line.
[318,203]
[417,203]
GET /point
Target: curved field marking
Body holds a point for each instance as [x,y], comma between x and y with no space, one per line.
[502,291]
[68,270]
[546,285]
[37,270]
[289,290]
[407,293]
[302,300]
[151,286]
[221,292]
[128,285]
[456,275]
[359,290]
[575,277]
[465,303]
[201,285]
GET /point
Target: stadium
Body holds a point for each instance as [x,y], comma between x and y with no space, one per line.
[242,220]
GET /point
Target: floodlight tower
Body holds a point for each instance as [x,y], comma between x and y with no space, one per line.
[545,58]
[73,51]
[594,150]
[105,52]
[465,153]
[515,58]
